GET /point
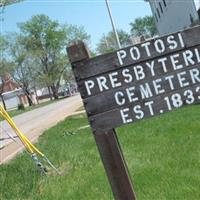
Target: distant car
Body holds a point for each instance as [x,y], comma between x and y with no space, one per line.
[64,92]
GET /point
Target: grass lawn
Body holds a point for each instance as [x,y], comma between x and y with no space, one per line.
[162,155]
[13,113]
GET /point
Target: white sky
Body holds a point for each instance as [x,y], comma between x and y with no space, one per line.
[197,3]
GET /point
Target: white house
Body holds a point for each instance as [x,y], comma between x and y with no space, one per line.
[172,15]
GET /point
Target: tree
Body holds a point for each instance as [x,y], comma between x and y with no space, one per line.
[108,42]
[3,4]
[8,2]
[22,64]
[74,33]
[144,26]
[46,40]
[5,65]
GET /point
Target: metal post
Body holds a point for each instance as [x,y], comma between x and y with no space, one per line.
[113,25]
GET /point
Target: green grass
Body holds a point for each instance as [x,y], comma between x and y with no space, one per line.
[13,113]
[162,155]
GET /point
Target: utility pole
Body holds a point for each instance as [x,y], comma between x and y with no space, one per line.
[113,25]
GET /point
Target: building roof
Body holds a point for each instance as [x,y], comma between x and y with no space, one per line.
[197,3]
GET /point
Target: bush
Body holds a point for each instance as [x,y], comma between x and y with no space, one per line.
[21,107]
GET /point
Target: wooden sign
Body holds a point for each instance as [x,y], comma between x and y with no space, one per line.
[141,81]
[132,84]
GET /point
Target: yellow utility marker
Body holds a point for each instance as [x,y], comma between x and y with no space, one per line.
[34,151]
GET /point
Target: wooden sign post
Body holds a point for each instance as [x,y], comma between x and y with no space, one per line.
[132,84]
[107,142]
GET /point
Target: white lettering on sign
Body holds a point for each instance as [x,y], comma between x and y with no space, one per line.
[182,80]
[159,46]
[198,91]
[149,104]
[172,43]
[125,116]
[89,84]
[188,57]
[139,81]
[131,94]
[127,76]
[174,62]
[139,114]
[121,55]
[145,91]
[162,61]
[175,100]
[146,46]
[135,53]
[102,83]
[139,72]
[197,55]
[195,75]
[114,80]
[157,86]
[170,82]
[151,67]
[181,40]
[119,98]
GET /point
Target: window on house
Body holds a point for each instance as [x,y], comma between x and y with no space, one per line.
[158,12]
[156,17]
[191,19]
[164,2]
[161,9]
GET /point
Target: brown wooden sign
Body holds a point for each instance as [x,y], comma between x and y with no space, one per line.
[141,81]
[132,84]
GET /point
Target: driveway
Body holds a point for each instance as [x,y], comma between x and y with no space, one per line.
[34,123]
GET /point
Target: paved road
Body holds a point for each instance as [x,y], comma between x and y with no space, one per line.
[34,123]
